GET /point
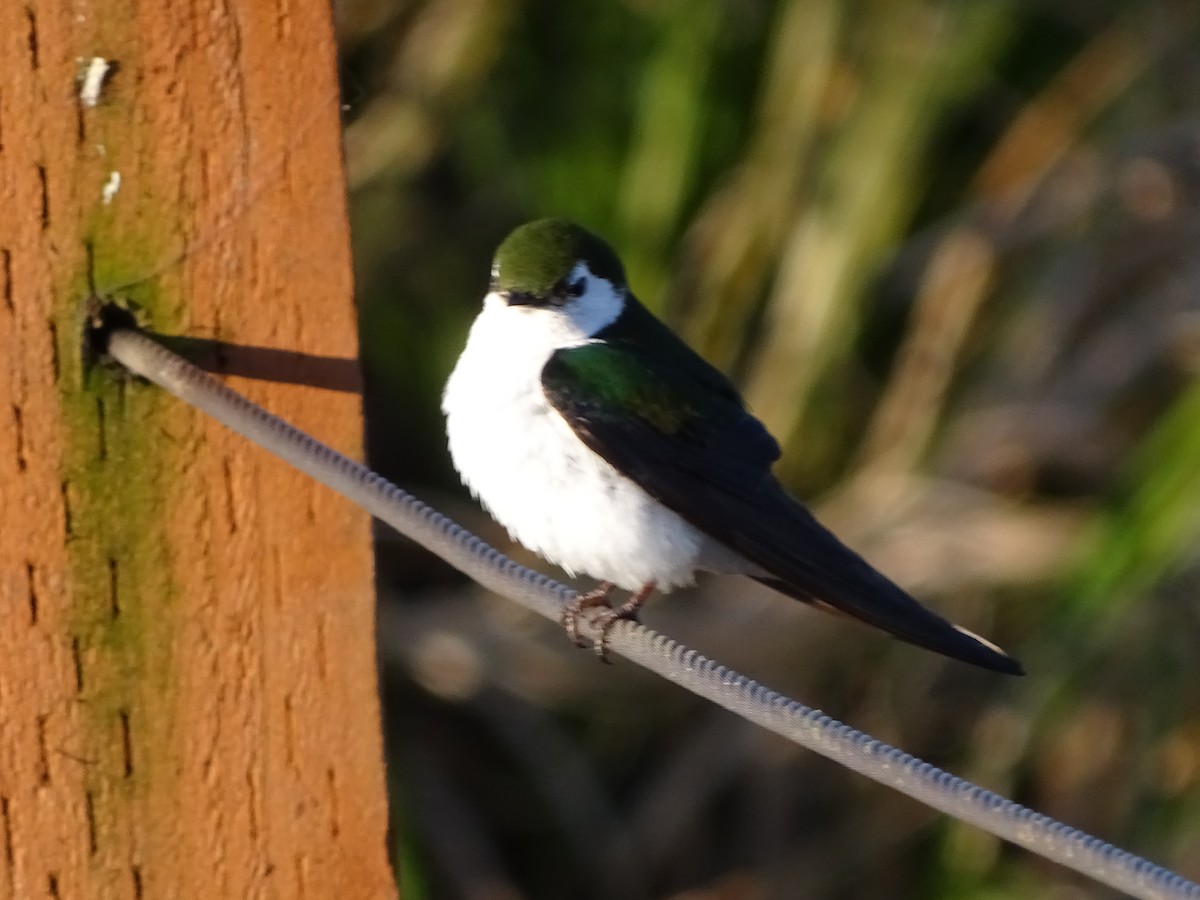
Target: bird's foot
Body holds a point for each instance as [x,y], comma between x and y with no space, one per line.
[604,621]
[597,596]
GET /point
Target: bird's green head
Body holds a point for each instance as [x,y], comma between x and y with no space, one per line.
[538,264]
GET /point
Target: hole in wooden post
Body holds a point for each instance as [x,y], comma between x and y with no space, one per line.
[102,318]
[31,593]
[66,505]
[89,251]
[114,598]
[289,730]
[19,437]
[277,571]
[6,824]
[77,660]
[90,812]
[31,19]
[127,743]
[6,268]
[45,190]
[335,827]
[230,496]
[43,763]
[55,367]
[252,807]
[101,435]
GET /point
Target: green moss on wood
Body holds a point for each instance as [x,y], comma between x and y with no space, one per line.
[118,471]
[114,476]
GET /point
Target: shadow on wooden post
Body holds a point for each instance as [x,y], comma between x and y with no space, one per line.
[188,703]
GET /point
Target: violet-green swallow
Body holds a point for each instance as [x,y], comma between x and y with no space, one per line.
[602,442]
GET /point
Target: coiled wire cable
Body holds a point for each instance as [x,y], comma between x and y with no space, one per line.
[801,724]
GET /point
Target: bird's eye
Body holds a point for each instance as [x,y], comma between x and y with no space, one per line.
[567,290]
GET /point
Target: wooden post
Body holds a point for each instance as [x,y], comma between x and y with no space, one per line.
[188,702]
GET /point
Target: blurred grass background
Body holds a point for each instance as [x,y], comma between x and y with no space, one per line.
[951,251]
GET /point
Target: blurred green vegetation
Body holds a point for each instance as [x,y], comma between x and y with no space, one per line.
[949,251]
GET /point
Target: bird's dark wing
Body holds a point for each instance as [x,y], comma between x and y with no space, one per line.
[677,428]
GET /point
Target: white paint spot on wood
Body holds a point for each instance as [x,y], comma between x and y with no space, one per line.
[91,82]
[111,187]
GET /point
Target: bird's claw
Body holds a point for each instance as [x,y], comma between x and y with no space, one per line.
[604,620]
[598,596]
[570,621]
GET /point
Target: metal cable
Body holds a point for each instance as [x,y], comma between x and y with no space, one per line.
[808,727]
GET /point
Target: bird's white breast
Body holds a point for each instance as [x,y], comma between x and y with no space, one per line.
[528,468]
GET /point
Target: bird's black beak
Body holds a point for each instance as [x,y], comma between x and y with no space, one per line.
[519,298]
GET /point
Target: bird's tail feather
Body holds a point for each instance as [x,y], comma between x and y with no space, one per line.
[823,571]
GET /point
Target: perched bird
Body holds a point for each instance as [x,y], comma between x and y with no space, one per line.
[602,442]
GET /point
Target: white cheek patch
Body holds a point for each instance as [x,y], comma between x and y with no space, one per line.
[599,305]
